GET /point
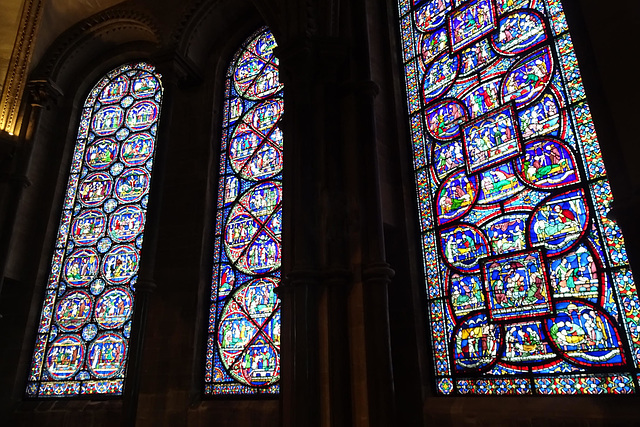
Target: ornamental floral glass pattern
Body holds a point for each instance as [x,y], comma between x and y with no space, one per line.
[528,283]
[243,347]
[83,336]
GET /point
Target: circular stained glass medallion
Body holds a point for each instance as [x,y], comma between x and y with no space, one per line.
[73,311]
[94,189]
[132,185]
[113,308]
[126,101]
[97,286]
[106,355]
[104,245]
[115,90]
[64,357]
[120,264]
[126,223]
[137,149]
[142,115]
[107,120]
[101,153]
[81,267]
[88,227]
[89,332]
[145,85]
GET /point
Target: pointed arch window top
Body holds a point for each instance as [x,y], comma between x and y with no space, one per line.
[256,74]
[243,347]
[82,341]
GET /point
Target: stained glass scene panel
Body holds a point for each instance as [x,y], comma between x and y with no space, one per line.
[243,347]
[528,281]
[82,341]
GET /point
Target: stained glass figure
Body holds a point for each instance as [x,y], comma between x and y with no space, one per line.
[243,347]
[528,280]
[83,335]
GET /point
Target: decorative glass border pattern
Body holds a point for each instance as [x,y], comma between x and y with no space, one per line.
[82,341]
[243,347]
[528,282]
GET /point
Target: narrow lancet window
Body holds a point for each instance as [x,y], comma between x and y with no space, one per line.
[243,348]
[82,341]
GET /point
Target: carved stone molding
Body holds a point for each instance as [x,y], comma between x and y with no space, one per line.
[338,277]
[18,65]
[102,26]
[301,276]
[378,273]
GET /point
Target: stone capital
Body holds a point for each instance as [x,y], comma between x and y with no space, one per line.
[377,273]
[43,93]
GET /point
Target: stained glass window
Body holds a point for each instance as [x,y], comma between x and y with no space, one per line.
[243,347]
[83,335]
[528,282]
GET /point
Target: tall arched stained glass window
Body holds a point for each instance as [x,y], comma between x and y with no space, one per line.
[82,340]
[528,283]
[243,347]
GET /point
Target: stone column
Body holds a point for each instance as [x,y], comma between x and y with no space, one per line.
[372,372]
[336,359]
[301,246]
[18,150]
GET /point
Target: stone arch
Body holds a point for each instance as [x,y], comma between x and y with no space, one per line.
[97,44]
[215,29]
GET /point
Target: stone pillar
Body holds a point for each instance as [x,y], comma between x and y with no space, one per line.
[18,150]
[336,358]
[372,271]
[373,388]
[301,245]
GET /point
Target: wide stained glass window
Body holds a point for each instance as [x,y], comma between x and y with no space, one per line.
[528,283]
[83,335]
[243,347]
